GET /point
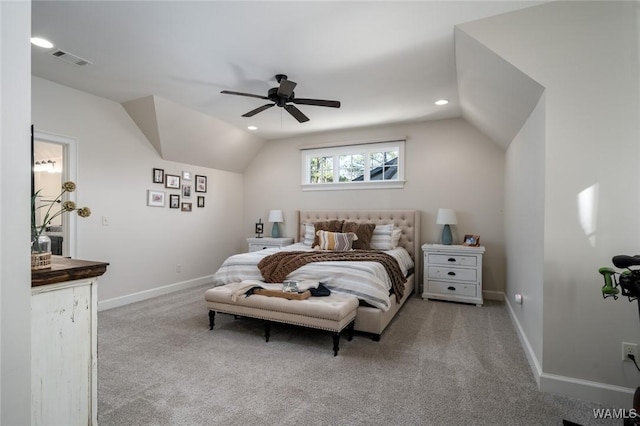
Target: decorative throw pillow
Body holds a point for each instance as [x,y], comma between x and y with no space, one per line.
[309,234]
[327,225]
[335,241]
[363,231]
[383,237]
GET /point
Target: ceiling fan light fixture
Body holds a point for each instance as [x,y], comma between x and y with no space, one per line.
[252,128]
[41,42]
[441,102]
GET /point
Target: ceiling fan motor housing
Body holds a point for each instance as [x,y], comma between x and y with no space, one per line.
[279,99]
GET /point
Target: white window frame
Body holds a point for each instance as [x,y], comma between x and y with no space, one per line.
[363,148]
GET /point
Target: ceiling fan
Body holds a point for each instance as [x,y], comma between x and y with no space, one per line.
[283,97]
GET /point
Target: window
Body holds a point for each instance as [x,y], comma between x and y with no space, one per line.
[374,165]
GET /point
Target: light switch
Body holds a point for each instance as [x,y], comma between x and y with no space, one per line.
[105,221]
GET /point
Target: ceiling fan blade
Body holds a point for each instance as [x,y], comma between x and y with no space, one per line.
[297,114]
[316,102]
[286,87]
[229,92]
[257,110]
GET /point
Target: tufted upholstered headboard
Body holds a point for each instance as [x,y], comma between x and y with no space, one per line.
[407,220]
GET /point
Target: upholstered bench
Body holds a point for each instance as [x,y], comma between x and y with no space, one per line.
[332,313]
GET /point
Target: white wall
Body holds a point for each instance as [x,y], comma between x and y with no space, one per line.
[142,244]
[586,56]
[448,164]
[524,230]
[15,188]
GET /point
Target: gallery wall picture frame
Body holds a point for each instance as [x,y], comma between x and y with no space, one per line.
[172,181]
[186,175]
[471,240]
[174,201]
[186,191]
[201,183]
[158,175]
[187,207]
[200,201]
[155,198]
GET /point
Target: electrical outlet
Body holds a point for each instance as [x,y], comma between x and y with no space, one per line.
[179,268]
[629,349]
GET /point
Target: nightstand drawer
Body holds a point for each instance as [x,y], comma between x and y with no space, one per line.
[452,260]
[456,274]
[453,289]
[258,247]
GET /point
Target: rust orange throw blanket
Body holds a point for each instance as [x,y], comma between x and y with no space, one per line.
[276,267]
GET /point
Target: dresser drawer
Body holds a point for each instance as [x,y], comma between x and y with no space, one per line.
[453,289]
[456,274]
[452,260]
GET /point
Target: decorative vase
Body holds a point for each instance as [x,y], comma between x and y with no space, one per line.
[40,252]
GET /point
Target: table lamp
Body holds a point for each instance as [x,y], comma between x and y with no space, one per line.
[275,216]
[446,217]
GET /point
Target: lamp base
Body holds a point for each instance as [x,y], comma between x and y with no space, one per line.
[275,231]
[447,239]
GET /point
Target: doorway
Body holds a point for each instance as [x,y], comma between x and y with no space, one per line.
[54,163]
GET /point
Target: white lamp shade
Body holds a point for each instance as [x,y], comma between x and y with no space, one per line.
[446,217]
[275,216]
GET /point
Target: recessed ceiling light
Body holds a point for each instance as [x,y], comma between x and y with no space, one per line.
[40,42]
[442,102]
[252,128]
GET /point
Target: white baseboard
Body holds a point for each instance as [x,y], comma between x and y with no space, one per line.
[148,294]
[602,393]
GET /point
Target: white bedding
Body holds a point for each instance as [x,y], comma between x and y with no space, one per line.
[366,280]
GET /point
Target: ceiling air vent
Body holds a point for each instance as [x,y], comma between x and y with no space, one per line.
[70,58]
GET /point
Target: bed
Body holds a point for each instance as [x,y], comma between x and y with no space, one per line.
[377,307]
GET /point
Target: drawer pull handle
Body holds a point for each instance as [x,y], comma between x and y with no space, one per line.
[451,259]
[451,288]
[451,273]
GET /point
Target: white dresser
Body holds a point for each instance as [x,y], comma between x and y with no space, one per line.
[64,343]
[257,244]
[453,273]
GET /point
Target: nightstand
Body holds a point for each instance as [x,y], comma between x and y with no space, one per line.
[257,244]
[453,273]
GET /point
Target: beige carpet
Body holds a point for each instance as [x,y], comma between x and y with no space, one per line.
[438,363]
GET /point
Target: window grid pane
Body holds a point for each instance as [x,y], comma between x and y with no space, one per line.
[321,169]
[383,165]
[351,167]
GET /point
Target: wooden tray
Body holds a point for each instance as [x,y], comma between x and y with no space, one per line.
[278,293]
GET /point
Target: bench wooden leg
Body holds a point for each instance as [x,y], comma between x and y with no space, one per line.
[350,330]
[267,330]
[336,343]
[212,315]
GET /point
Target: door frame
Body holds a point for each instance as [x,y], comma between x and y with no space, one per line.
[69,172]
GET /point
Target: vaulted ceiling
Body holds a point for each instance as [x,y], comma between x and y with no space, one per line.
[386,62]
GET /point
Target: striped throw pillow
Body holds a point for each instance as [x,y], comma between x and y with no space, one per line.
[335,241]
[309,234]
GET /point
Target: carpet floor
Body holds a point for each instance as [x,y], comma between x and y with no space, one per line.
[438,363]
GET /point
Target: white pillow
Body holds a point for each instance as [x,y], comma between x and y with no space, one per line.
[309,233]
[385,239]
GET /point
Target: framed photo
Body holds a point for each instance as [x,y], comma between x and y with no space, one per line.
[471,240]
[186,191]
[186,175]
[158,175]
[201,183]
[174,201]
[155,198]
[172,181]
[200,201]
[186,207]
[259,229]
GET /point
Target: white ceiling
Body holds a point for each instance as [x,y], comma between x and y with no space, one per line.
[387,62]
